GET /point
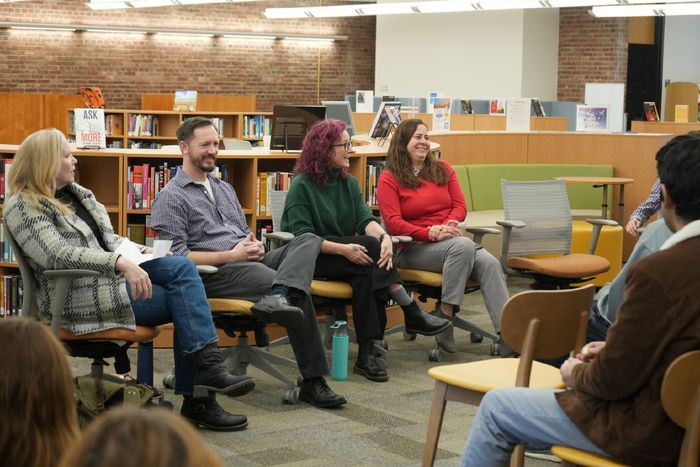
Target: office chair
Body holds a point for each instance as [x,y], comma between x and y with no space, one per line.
[111,343]
[329,295]
[230,143]
[428,285]
[235,317]
[538,222]
[680,397]
[537,324]
[170,147]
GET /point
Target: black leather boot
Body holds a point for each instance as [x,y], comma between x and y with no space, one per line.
[366,365]
[206,412]
[419,322]
[211,374]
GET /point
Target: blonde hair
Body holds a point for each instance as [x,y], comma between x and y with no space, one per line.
[37,392]
[35,167]
[154,437]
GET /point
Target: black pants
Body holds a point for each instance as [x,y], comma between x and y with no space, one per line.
[369,285]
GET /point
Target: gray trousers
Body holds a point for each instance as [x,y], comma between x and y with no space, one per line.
[458,259]
[291,265]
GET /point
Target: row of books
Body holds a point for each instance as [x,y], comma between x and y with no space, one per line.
[6,254]
[218,123]
[144,125]
[142,234]
[374,170]
[114,126]
[256,126]
[139,145]
[5,165]
[11,294]
[267,182]
[144,182]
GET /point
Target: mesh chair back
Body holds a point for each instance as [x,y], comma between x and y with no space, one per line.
[544,207]
[29,305]
[237,144]
[277,199]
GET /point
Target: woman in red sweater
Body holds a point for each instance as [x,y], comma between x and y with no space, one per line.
[421,197]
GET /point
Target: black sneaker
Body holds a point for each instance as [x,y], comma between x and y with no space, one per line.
[316,392]
[206,412]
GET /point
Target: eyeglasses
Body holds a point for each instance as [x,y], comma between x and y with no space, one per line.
[347,145]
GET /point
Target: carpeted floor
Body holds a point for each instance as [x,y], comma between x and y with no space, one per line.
[382,424]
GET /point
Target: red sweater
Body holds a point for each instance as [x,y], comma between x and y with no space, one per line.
[408,211]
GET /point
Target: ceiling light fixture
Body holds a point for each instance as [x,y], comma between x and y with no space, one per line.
[173,31]
[675,9]
[113,5]
[436,6]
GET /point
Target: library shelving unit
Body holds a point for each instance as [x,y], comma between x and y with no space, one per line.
[151,129]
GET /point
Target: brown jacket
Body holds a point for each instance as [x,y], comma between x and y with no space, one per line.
[617,402]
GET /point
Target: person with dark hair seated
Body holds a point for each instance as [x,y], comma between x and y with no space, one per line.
[420,197]
[325,199]
[612,406]
[39,417]
[60,225]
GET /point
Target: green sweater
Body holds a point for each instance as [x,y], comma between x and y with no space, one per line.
[334,210]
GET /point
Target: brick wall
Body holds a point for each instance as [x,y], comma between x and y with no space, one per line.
[126,65]
[591,50]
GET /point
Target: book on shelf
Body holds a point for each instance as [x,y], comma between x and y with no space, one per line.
[497,107]
[592,118]
[144,182]
[650,112]
[681,113]
[144,125]
[267,182]
[441,113]
[5,174]
[537,107]
[185,100]
[90,129]
[114,125]
[136,233]
[150,235]
[466,106]
[11,295]
[373,170]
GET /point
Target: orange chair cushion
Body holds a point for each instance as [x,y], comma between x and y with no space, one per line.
[572,266]
[429,278]
[142,334]
[230,305]
[331,289]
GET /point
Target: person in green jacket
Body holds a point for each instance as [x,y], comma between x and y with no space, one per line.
[325,199]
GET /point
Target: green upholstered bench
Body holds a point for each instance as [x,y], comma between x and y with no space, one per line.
[481,184]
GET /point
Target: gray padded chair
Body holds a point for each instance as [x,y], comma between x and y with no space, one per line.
[112,343]
[538,222]
[240,144]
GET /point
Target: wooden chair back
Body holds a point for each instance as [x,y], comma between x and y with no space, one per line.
[545,324]
[680,396]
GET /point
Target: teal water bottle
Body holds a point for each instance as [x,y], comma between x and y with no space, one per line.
[339,365]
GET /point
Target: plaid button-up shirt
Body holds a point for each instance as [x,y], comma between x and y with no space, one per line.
[184,213]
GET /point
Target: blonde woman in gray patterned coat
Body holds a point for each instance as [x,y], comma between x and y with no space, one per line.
[59,225]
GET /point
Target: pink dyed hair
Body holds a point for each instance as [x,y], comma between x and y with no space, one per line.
[316,151]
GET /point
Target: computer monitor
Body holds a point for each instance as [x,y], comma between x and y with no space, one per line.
[290,124]
[389,114]
[340,110]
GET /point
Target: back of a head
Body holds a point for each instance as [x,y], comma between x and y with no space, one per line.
[36,395]
[36,163]
[154,438]
[678,164]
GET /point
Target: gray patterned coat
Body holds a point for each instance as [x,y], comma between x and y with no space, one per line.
[51,240]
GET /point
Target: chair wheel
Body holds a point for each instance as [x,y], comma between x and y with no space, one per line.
[169,381]
[495,349]
[290,396]
[434,355]
[475,338]
[409,336]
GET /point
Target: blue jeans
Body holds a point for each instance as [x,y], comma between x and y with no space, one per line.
[511,416]
[178,298]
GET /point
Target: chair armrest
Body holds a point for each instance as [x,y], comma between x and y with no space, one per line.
[206,269]
[511,224]
[63,277]
[279,236]
[479,232]
[401,239]
[595,235]
[508,226]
